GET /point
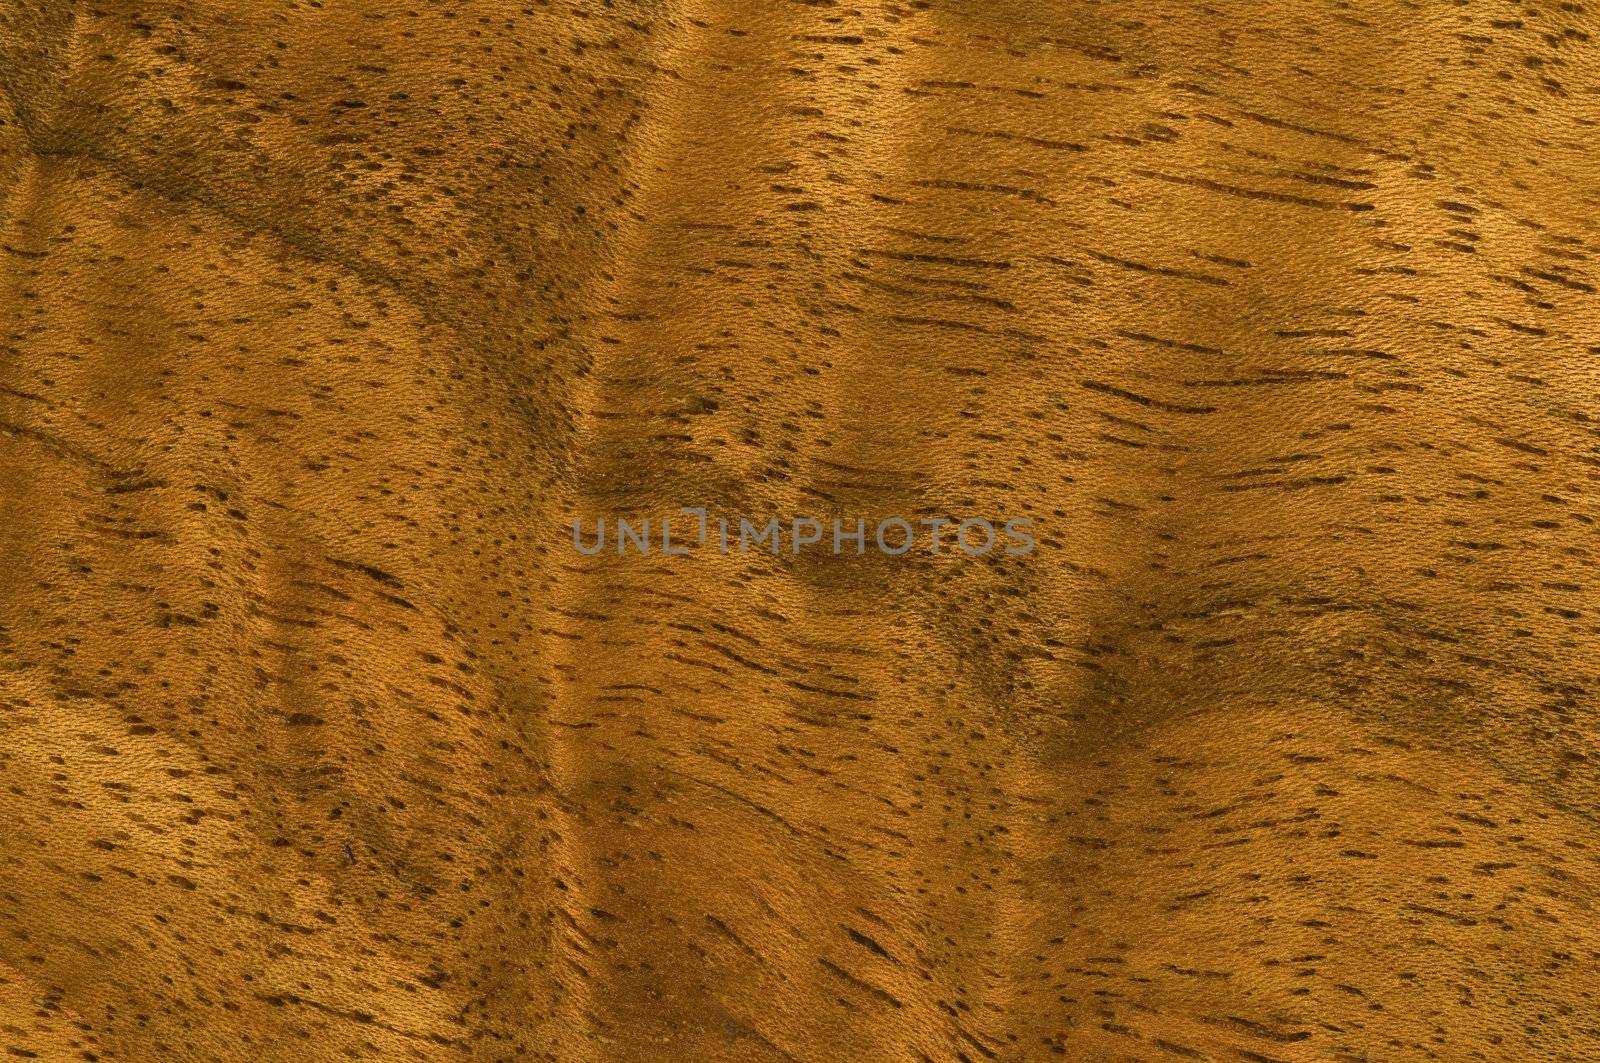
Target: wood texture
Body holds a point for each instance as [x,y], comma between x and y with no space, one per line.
[319,322]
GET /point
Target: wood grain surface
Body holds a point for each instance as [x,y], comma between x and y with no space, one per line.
[321,321]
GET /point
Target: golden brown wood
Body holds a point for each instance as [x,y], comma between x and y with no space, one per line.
[321,321]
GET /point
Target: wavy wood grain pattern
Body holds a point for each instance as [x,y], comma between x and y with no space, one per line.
[319,321]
